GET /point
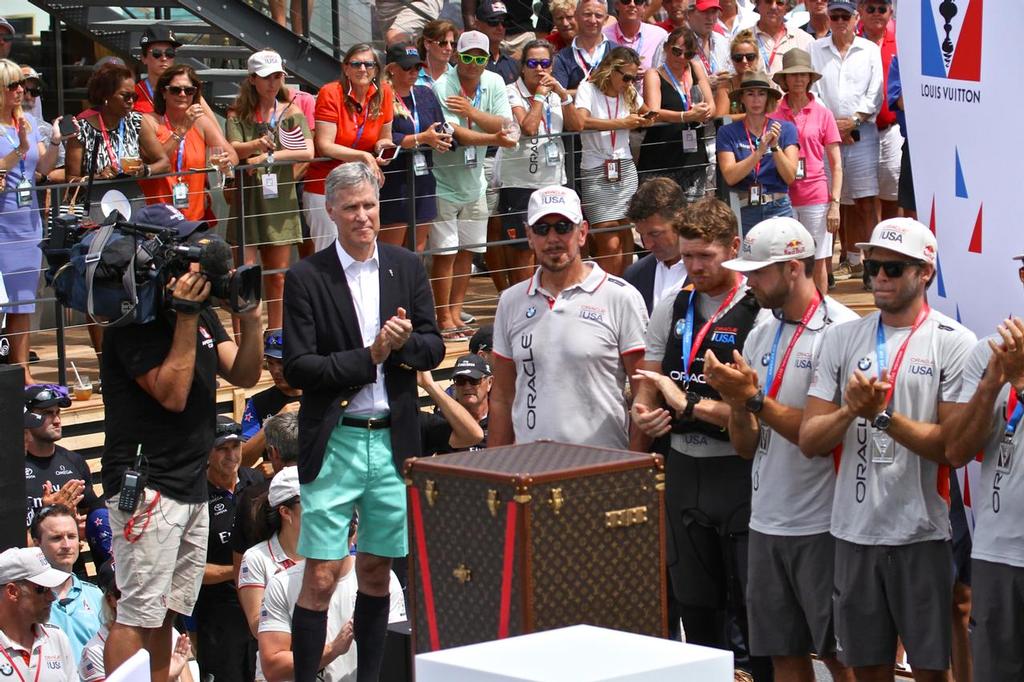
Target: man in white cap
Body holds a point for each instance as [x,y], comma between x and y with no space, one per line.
[885,389]
[30,649]
[565,340]
[6,38]
[986,421]
[790,551]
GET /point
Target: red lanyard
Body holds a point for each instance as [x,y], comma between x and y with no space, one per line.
[897,362]
[581,59]
[753,149]
[28,664]
[773,390]
[614,133]
[704,55]
[106,140]
[699,339]
[776,41]
[180,158]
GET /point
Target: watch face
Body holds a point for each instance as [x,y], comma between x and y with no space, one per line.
[882,421]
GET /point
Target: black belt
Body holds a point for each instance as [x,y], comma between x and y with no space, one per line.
[368,424]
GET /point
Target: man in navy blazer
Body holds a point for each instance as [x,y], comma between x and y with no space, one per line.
[653,210]
[359,318]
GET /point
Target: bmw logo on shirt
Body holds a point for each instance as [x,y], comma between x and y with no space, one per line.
[864,364]
[530,312]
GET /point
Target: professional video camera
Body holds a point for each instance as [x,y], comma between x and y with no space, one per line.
[117,272]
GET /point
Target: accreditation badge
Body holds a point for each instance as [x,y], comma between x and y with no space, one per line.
[270,186]
[884,451]
[689,140]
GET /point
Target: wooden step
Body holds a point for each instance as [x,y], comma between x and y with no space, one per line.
[179,26]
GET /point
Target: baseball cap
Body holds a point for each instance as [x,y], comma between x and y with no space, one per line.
[491,10]
[273,345]
[265,62]
[158,33]
[6,25]
[227,430]
[705,5]
[554,200]
[404,54]
[775,240]
[165,215]
[41,396]
[284,486]
[843,5]
[32,419]
[482,339]
[473,40]
[28,73]
[28,563]
[903,235]
[472,366]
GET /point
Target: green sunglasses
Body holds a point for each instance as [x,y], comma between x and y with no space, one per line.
[473,59]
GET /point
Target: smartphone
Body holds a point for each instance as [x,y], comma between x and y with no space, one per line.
[67,125]
[651,115]
[447,128]
[387,153]
[855,135]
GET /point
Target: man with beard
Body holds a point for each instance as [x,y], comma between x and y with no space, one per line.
[707,486]
[790,551]
[565,340]
[885,389]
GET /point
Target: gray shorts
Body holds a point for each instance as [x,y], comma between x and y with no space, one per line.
[997,621]
[885,591]
[789,594]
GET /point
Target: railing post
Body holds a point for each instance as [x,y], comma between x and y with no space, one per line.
[410,234]
[240,234]
[336,30]
[58,309]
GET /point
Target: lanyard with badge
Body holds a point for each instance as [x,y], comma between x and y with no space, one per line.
[552,154]
[778,40]
[115,161]
[691,343]
[884,452]
[613,166]
[801,163]
[269,179]
[581,59]
[470,151]
[28,663]
[756,191]
[24,186]
[179,191]
[419,159]
[149,91]
[1014,411]
[689,134]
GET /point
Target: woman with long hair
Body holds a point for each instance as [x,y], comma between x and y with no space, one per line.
[437,47]
[264,126]
[680,92]
[187,135]
[353,123]
[745,58]
[609,106]
[24,151]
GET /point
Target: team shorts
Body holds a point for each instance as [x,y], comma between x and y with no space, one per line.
[890,154]
[161,570]
[815,218]
[460,225]
[860,165]
[789,594]
[358,475]
[883,592]
[512,202]
[997,621]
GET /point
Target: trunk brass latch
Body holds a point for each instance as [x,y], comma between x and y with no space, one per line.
[621,518]
[430,492]
[493,502]
[556,500]
[462,574]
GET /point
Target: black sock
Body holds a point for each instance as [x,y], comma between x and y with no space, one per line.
[370,626]
[309,634]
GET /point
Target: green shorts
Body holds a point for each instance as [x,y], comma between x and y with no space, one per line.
[358,474]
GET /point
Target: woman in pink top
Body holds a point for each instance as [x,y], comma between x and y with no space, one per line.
[815,202]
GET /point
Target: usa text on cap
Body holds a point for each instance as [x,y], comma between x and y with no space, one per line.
[554,200]
[903,235]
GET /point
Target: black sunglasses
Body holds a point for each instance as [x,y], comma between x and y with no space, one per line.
[494,23]
[366,65]
[534,63]
[464,381]
[840,16]
[15,85]
[35,92]
[562,227]
[744,57]
[49,392]
[876,9]
[893,268]
[225,429]
[633,2]
[128,96]
[627,77]
[38,589]
[157,53]
[188,90]
[681,52]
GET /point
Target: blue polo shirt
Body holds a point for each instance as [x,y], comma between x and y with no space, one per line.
[79,614]
[733,138]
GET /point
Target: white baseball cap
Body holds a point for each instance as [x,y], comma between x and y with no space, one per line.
[775,240]
[265,62]
[473,40]
[903,235]
[556,200]
[28,563]
[284,486]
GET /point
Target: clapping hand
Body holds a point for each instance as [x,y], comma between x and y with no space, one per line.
[866,397]
[736,382]
[1009,354]
[398,329]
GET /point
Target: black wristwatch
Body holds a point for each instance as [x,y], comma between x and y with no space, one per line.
[755,403]
[883,420]
[691,402]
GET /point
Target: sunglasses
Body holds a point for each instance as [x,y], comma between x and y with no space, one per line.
[627,77]
[840,16]
[228,430]
[188,90]
[35,92]
[362,65]
[443,43]
[466,381]
[893,268]
[534,63]
[479,60]
[494,23]
[128,96]
[681,52]
[562,227]
[38,589]
[777,3]
[638,3]
[749,57]
[49,392]
[157,53]
[15,85]
[876,9]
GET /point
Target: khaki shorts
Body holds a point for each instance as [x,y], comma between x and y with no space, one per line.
[515,44]
[162,570]
[402,15]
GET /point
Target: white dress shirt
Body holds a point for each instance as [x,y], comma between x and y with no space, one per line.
[848,84]
[667,280]
[364,284]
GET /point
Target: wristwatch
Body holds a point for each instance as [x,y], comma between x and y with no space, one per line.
[755,403]
[883,420]
[691,402]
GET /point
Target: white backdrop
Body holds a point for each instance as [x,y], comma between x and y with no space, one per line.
[961,94]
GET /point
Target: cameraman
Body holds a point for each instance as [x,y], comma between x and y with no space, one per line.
[160,387]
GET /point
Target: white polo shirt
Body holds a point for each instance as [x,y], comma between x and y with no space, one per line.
[848,84]
[50,659]
[567,351]
[261,562]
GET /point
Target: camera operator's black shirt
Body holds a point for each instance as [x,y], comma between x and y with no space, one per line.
[175,445]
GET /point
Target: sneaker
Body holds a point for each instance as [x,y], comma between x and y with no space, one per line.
[466,318]
[847,271]
[831,282]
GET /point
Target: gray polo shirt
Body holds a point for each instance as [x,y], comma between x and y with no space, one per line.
[567,351]
[998,495]
[901,502]
[792,495]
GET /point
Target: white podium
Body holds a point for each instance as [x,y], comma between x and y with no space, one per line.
[581,653]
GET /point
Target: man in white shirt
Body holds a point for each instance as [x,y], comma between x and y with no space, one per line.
[774,38]
[734,17]
[713,47]
[851,88]
[31,649]
[653,210]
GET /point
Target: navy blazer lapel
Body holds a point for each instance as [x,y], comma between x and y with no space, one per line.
[337,285]
[390,294]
